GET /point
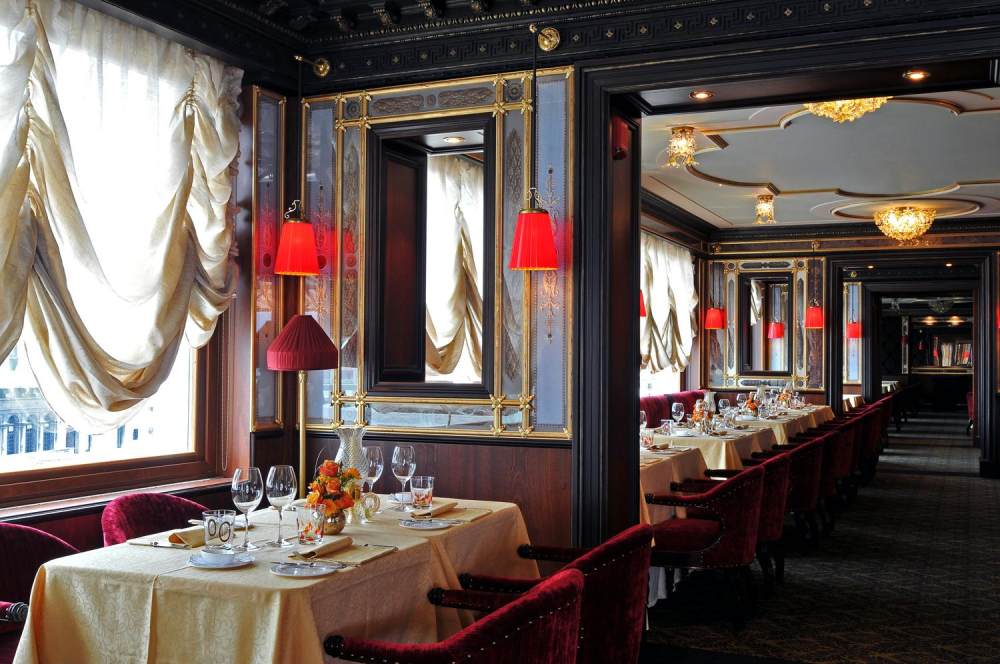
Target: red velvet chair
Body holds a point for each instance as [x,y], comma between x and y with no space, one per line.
[140,514]
[770,553]
[805,476]
[616,584]
[539,627]
[657,409]
[719,533]
[23,550]
[687,398]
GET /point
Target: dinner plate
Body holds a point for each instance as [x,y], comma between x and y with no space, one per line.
[199,559]
[682,433]
[305,570]
[425,524]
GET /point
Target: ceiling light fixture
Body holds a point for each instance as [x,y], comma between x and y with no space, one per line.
[680,149]
[916,75]
[846,110]
[764,209]
[701,95]
[453,140]
[905,222]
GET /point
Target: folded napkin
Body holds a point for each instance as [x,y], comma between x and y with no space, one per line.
[193,536]
[359,554]
[434,510]
[323,549]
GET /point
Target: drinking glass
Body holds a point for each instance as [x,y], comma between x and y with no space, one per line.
[677,412]
[741,400]
[281,489]
[403,466]
[248,491]
[309,522]
[375,464]
[723,406]
[642,420]
[219,530]
[422,489]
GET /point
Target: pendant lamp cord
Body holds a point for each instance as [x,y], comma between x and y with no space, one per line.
[533,190]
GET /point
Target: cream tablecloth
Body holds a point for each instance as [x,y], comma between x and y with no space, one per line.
[657,470]
[142,604]
[793,423]
[724,452]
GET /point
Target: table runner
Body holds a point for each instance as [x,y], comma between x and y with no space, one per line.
[136,604]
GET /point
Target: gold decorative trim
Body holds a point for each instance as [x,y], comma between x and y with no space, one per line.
[278,312]
[971,207]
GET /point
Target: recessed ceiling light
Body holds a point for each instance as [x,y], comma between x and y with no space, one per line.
[871,267]
[454,140]
[916,75]
[701,95]
[947,264]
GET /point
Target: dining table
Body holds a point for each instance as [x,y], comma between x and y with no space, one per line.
[140,603]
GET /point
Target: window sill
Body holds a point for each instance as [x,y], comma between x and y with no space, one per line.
[84,504]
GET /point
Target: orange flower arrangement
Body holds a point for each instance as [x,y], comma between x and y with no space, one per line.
[751,404]
[333,487]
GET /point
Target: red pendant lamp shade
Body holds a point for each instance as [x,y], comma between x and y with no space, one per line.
[776,330]
[297,250]
[302,346]
[814,318]
[715,318]
[642,306]
[854,330]
[534,245]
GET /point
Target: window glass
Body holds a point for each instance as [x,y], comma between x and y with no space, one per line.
[32,435]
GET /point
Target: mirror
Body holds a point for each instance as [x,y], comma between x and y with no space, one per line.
[430,282]
[766,323]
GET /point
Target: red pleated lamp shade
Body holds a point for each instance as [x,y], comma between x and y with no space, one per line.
[715,318]
[297,250]
[621,138]
[814,318]
[776,330]
[854,330]
[534,245]
[642,306]
[302,346]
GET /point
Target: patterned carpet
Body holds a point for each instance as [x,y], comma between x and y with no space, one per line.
[910,574]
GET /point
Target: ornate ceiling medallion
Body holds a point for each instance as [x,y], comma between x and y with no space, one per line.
[680,149]
[904,223]
[764,209]
[846,110]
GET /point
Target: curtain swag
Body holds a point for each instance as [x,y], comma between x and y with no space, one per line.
[115,235]
[667,280]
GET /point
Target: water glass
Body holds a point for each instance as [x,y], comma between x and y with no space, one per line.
[404,464]
[677,412]
[282,487]
[642,420]
[723,406]
[220,527]
[247,490]
[422,487]
[309,523]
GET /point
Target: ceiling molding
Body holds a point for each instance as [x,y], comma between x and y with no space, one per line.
[846,230]
[667,213]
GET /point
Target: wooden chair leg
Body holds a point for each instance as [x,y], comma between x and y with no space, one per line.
[777,551]
[766,567]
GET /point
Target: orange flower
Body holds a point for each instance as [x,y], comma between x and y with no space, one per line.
[333,485]
[330,506]
[312,498]
[353,473]
[329,469]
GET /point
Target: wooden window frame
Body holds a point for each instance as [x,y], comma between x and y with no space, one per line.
[205,460]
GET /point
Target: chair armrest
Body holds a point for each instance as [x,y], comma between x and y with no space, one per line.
[722,472]
[471,600]
[13,612]
[496,584]
[557,554]
[364,650]
[784,448]
[751,462]
[673,499]
[693,485]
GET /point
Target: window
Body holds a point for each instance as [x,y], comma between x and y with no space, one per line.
[667,381]
[161,427]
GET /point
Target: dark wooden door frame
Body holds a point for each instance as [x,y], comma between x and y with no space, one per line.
[600,450]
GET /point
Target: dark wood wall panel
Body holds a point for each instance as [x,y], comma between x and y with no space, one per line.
[536,478]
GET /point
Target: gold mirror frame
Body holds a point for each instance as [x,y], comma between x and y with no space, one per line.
[392,112]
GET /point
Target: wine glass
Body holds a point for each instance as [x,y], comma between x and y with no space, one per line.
[723,406]
[281,489]
[677,412]
[403,466]
[642,420]
[373,459]
[248,491]
[741,400]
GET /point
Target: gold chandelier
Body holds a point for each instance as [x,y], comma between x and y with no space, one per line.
[846,110]
[764,209]
[904,222]
[680,149]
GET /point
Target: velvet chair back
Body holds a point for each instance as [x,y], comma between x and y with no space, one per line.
[687,398]
[23,550]
[616,585]
[805,474]
[656,407]
[140,514]
[539,627]
[774,499]
[737,503]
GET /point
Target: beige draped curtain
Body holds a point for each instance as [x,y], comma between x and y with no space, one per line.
[454,348]
[667,280]
[115,154]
